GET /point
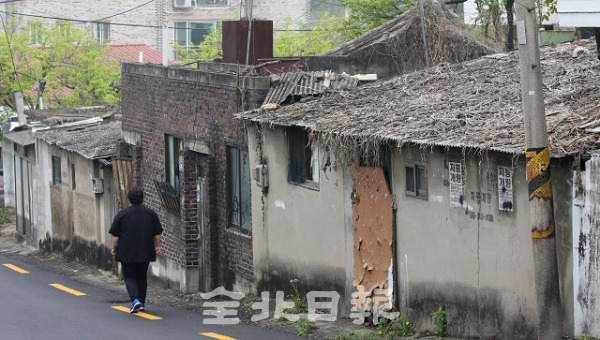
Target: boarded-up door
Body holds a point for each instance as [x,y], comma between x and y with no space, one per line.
[373,233]
[123,177]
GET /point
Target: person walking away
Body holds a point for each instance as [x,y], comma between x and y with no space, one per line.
[136,239]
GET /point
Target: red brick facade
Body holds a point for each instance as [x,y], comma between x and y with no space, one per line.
[196,107]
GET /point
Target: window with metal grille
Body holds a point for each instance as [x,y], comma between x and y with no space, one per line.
[238,187]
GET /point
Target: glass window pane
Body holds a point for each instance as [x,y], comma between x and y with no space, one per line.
[199,31]
[181,33]
[410,179]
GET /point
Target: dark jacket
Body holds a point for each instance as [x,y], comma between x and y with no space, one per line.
[136,226]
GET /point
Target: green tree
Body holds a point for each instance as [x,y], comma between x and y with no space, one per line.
[306,40]
[364,15]
[63,63]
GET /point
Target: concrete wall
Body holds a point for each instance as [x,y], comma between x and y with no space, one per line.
[80,219]
[474,260]
[298,232]
[8,164]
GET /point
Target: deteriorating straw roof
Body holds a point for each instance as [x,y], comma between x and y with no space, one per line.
[97,140]
[473,104]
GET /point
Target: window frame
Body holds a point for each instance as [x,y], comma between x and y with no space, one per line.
[308,172]
[417,191]
[189,31]
[238,185]
[56,170]
[173,145]
[35,32]
[103,31]
[73,184]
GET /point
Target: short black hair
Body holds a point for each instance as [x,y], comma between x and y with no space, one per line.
[135,195]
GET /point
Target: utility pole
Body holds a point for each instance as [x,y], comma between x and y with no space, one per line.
[541,214]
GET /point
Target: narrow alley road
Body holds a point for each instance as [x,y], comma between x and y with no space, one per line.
[39,304]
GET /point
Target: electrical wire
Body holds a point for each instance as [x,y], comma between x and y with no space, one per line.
[129,10]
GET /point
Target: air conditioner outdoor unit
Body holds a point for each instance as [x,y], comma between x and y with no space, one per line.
[98,185]
[183,3]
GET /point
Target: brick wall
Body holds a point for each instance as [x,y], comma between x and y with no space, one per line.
[199,106]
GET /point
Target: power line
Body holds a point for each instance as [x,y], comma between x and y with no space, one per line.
[80,20]
[129,10]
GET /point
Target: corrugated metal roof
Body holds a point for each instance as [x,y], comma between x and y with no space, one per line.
[96,140]
[303,84]
[24,137]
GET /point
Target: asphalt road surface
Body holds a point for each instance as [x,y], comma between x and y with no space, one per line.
[38,304]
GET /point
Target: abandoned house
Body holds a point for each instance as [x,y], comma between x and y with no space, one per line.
[59,178]
[414,188]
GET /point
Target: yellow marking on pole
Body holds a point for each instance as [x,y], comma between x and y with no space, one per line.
[217,336]
[67,289]
[543,191]
[543,233]
[140,314]
[15,268]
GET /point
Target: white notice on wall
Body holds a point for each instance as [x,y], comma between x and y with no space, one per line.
[456,183]
[505,189]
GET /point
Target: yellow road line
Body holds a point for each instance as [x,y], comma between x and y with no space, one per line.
[67,289]
[15,268]
[217,336]
[140,314]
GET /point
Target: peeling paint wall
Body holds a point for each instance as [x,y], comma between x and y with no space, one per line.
[586,245]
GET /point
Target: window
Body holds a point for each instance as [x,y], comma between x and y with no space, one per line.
[102,31]
[72,176]
[304,159]
[190,34]
[56,179]
[212,2]
[416,180]
[238,182]
[172,147]
[35,32]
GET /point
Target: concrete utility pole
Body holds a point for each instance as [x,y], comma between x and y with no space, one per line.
[538,175]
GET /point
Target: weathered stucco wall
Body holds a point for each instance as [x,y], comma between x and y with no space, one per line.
[473,259]
[586,242]
[43,220]
[298,232]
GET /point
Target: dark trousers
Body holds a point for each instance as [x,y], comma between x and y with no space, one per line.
[136,279]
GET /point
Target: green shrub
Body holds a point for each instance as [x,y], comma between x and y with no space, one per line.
[440,322]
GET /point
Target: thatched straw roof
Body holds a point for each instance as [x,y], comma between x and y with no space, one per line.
[401,40]
[475,104]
